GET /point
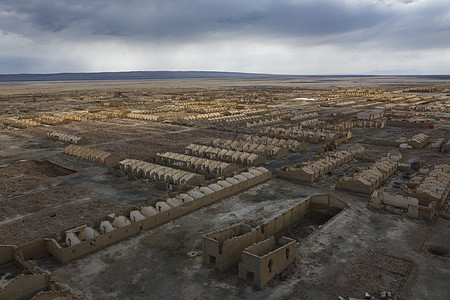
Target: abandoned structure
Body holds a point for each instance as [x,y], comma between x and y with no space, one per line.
[370,115]
[291,145]
[312,170]
[231,156]
[401,203]
[162,173]
[199,145]
[196,164]
[22,123]
[431,185]
[225,248]
[419,140]
[92,155]
[272,151]
[368,180]
[66,138]
[25,280]
[426,192]
[262,261]
[87,238]
[147,117]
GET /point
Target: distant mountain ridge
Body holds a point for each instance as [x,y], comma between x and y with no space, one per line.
[135,75]
[161,75]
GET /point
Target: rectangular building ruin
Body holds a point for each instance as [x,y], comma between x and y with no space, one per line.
[312,170]
[263,260]
[92,155]
[223,248]
[368,180]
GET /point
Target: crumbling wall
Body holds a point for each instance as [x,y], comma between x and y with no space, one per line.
[366,181]
[66,253]
[6,253]
[233,247]
[312,170]
[25,286]
[67,138]
[409,123]
[33,249]
[402,204]
[262,261]
[92,155]
[226,155]
[53,295]
[228,254]
[196,164]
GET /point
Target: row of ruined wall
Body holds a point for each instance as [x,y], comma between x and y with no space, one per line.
[370,124]
[312,136]
[66,138]
[409,123]
[88,238]
[339,103]
[399,203]
[366,181]
[158,172]
[291,145]
[199,165]
[426,192]
[435,186]
[51,120]
[204,116]
[304,116]
[267,150]
[32,282]
[85,239]
[22,123]
[99,115]
[253,118]
[264,122]
[331,146]
[312,170]
[416,141]
[209,109]
[334,125]
[147,117]
[225,248]
[226,155]
[233,120]
[92,155]
[281,131]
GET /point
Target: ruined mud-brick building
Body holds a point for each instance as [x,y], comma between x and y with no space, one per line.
[262,261]
[224,248]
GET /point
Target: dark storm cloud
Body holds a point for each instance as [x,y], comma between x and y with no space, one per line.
[246,35]
[197,19]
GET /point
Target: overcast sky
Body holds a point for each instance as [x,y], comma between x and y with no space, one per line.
[267,36]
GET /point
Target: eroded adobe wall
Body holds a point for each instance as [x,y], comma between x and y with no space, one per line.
[6,253]
[25,286]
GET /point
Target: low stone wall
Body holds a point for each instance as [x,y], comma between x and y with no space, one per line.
[81,245]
